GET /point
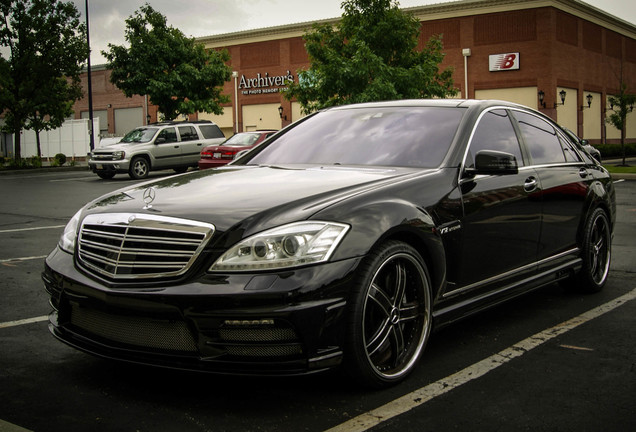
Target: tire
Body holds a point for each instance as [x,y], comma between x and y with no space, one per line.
[139,168]
[106,175]
[390,316]
[596,255]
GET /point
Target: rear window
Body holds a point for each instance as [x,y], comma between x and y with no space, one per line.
[379,136]
[211,131]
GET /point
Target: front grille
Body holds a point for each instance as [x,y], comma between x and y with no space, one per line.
[267,341]
[143,332]
[103,156]
[133,246]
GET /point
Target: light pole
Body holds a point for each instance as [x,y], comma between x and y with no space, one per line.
[90,84]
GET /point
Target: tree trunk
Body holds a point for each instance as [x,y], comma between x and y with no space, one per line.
[37,140]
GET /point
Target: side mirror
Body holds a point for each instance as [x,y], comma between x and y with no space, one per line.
[160,140]
[584,142]
[491,162]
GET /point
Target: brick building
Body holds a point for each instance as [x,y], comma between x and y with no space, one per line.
[499,49]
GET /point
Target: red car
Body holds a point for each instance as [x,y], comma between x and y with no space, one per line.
[218,155]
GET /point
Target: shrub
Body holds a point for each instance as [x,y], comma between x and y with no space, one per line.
[35,162]
[611,151]
[60,158]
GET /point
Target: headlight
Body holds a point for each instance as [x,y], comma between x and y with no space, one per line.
[67,241]
[290,245]
[118,155]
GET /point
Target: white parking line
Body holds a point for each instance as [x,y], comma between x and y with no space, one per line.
[23,322]
[414,399]
[9,260]
[32,229]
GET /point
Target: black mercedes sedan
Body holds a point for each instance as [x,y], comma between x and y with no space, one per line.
[340,242]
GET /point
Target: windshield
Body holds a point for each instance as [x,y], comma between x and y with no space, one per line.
[241,139]
[140,135]
[384,136]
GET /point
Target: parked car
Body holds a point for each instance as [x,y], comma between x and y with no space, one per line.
[592,151]
[218,155]
[342,241]
[158,146]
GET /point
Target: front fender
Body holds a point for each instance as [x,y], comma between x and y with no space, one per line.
[377,222]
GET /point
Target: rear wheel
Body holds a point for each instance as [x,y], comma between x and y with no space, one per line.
[139,168]
[390,317]
[596,254]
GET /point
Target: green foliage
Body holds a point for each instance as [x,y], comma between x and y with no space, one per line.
[610,151]
[60,159]
[370,56]
[621,104]
[39,81]
[178,75]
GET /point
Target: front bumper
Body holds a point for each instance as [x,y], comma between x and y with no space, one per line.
[287,323]
[119,166]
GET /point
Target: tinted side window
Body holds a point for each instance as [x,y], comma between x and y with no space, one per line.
[188,133]
[169,134]
[494,132]
[541,139]
[568,150]
[211,131]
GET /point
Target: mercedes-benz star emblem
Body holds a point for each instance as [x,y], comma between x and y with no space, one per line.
[149,197]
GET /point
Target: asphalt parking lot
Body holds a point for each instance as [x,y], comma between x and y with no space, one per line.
[548,361]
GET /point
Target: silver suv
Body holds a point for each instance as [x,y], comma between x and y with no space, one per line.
[157,146]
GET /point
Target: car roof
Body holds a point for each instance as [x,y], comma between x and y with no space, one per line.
[459,103]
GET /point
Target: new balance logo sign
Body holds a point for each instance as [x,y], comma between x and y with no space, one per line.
[503,62]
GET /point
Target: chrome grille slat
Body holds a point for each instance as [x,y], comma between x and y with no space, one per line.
[134,246]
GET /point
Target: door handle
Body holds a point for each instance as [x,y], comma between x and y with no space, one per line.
[530,184]
[583,173]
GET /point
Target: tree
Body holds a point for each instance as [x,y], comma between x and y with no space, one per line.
[371,55]
[177,74]
[46,43]
[622,104]
[53,104]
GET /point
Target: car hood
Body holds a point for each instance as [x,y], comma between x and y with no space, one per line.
[254,197]
[116,147]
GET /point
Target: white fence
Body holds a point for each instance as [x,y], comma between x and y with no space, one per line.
[72,139]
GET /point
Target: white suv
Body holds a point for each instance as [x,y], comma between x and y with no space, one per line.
[157,146]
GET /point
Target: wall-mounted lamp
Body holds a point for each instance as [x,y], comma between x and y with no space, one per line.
[589,102]
[280,113]
[562,93]
[148,119]
[541,93]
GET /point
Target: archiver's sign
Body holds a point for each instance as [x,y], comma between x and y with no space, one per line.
[262,84]
[503,62]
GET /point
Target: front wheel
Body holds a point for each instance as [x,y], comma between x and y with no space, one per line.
[390,316]
[106,175]
[139,168]
[596,253]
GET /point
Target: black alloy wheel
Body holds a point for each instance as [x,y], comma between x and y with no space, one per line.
[596,252]
[390,318]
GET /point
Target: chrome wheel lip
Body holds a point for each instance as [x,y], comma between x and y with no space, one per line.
[397,317]
[600,250]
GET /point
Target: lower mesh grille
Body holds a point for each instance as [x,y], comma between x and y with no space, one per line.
[259,342]
[137,331]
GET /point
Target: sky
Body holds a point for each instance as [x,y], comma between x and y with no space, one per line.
[211,17]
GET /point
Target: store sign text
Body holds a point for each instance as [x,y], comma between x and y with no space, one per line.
[263,84]
[503,62]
